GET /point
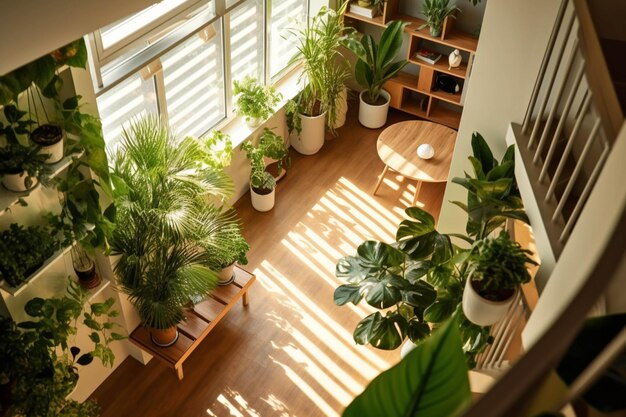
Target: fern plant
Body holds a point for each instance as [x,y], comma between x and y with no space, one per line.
[254,101]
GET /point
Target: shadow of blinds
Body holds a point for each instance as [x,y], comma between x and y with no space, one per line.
[246,40]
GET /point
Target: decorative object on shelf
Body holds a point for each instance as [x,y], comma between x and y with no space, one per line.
[262,183]
[423,271]
[40,365]
[373,68]
[497,267]
[323,78]
[447,83]
[85,268]
[435,12]
[163,217]
[425,151]
[254,101]
[23,250]
[454,59]
[427,55]
[368,10]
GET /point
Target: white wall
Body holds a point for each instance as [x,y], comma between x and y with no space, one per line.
[33,28]
[513,39]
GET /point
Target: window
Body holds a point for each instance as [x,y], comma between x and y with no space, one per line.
[246,40]
[284,15]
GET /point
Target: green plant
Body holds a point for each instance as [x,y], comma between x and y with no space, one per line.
[233,249]
[432,380]
[43,366]
[253,100]
[498,266]
[23,250]
[218,150]
[271,146]
[387,276]
[162,220]
[324,68]
[435,12]
[15,158]
[375,62]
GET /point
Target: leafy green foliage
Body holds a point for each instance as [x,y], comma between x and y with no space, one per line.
[375,63]
[253,100]
[161,188]
[435,12]
[41,366]
[432,380]
[218,150]
[233,248]
[272,146]
[324,69]
[23,250]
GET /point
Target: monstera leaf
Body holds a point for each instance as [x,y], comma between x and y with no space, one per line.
[432,380]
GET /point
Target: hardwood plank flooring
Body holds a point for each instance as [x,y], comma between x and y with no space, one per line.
[291,352]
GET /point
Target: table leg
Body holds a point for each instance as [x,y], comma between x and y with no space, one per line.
[179,372]
[418,186]
[380,180]
[245,299]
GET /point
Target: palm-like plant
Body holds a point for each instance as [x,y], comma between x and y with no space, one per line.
[163,222]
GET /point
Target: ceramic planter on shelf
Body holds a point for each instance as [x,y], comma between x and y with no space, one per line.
[312,136]
[262,202]
[17,182]
[342,109]
[253,122]
[50,138]
[481,311]
[226,275]
[373,116]
[164,337]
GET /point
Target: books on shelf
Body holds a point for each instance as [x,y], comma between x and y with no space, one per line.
[427,55]
[369,11]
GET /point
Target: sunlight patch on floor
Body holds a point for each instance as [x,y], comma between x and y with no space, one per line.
[235,404]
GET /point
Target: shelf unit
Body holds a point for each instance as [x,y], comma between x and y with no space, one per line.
[417,94]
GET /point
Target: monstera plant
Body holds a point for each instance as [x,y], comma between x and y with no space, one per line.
[418,280]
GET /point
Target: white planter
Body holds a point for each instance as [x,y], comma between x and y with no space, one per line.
[373,116]
[312,136]
[342,109]
[253,122]
[226,275]
[15,182]
[262,202]
[55,151]
[481,311]
[406,348]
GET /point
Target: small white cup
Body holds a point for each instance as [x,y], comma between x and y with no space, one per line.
[425,151]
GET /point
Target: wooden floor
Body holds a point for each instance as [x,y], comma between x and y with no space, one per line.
[291,352]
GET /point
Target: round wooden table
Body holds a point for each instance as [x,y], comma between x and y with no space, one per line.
[397,148]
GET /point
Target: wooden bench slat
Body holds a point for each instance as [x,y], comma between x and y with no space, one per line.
[194,325]
[171,354]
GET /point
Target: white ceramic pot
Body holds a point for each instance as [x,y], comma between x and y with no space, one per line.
[55,151]
[342,109]
[481,311]
[226,275]
[313,134]
[16,182]
[373,116]
[406,348]
[262,202]
[253,122]
[43,135]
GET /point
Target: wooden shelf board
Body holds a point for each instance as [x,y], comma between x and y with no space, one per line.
[209,309]
[94,292]
[171,354]
[378,20]
[9,198]
[454,39]
[413,108]
[193,326]
[406,80]
[445,116]
[447,97]
[4,286]
[442,66]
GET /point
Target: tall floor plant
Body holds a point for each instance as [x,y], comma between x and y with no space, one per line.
[163,223]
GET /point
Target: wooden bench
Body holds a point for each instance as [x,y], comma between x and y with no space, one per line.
[201,319]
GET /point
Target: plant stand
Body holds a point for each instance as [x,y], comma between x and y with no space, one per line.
[200,320]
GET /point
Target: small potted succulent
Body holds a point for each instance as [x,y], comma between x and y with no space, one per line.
[497,267]
[262,183]
[23,250]
[254,101]
[436,12]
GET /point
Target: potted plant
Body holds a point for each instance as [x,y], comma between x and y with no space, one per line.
[323,78]
[50,138]
[84,267]
[22,167]
[232,250]
[262,183]
[24,250]
[435,12]
[162,221]
[40,363]
[373,68]
[254,101]
[497,267]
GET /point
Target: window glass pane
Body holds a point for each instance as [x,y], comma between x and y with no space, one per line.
[246,40]
[132,25]
[194,83]
[284,15]
[132,98]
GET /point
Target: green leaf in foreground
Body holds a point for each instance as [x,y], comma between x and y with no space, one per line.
[432,380]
